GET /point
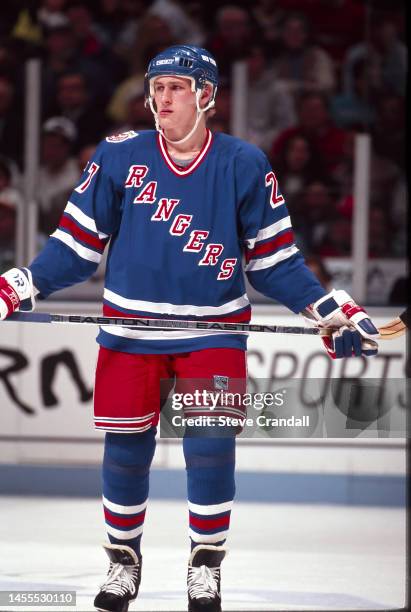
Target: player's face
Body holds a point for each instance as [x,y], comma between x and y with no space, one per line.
[175,103]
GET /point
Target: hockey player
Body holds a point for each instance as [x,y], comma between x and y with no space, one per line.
[180,207]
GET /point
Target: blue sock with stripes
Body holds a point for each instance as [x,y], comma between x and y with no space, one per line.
[210,465]
[126,468]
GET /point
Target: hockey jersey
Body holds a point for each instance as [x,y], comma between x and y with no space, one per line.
[178,240]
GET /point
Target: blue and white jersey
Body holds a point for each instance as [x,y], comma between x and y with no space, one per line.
[178,240]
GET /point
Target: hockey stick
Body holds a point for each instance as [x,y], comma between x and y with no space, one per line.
[393,329]
[165,324]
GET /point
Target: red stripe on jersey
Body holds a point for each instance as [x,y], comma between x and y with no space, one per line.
[242,317]
[133,521]
[209,523]
[76,232]
[108,311]
[271,246]
[124,424]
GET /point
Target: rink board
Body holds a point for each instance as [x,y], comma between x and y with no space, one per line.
[46,419]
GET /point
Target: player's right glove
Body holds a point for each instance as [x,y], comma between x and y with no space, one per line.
[355,334]
[16,291]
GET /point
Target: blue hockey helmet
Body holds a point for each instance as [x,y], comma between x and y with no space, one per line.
[187,61]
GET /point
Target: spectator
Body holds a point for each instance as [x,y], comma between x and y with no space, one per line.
[388,133]
[384,176]
[183,28]
[337,239]
[11,202]
[398,219]
[62,56]
[9,13]
[315,124]
[356,108]
[379,243]
[111,19]
[155,36]
[133,27]
[117,109]
[318,211]
[137,116]
[93,43]
[317,265]
[11,125]
[269,18]
[74,101]
[301,64]
[84,156]
[296,167]
[59,171]
[91,40]
[9,59]
[51,14]
[270,108]
[386,56]
[221,119]
[338,24]
[378,236]
[232,38]
[217,124]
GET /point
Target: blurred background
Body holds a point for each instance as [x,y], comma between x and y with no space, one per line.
[320,86]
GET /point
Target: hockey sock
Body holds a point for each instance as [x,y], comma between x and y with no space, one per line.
[126,467]
[210,464]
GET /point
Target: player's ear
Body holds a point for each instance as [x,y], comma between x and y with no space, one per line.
[206,95]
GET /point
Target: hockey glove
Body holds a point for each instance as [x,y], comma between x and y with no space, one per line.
[16,291]
[355,334]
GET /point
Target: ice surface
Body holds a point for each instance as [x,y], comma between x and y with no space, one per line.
[282,557]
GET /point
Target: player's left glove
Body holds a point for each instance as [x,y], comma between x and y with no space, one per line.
[355,334]
[16,291]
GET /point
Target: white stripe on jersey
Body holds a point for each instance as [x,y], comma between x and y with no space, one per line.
[272,260]
[137,334]
[124,535]
[204,510]
[124,509]
[208,538]
[84,220]
[176,309]
[123,430]
[115,420]
[270,231]
[78,248]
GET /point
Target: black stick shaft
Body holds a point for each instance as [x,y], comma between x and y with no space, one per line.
[163,324]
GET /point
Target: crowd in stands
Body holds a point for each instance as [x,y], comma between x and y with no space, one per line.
[319,72]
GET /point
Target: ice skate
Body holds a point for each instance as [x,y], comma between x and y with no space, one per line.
[203,579]
[123,579]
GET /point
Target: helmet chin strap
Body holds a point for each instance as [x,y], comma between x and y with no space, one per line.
[200,112]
